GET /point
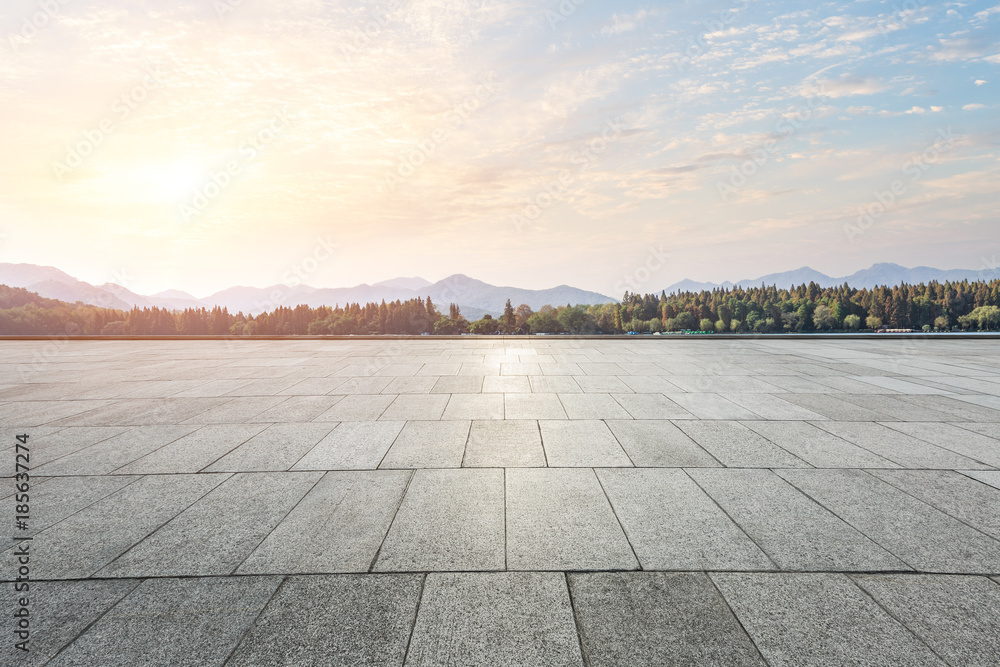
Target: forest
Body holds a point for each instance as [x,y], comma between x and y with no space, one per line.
[964,306]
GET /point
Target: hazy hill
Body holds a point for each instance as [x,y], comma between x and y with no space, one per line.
[801,276]
[474,297]
[885,274]
[76,291]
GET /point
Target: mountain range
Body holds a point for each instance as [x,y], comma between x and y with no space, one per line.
[474,297]
[878,274]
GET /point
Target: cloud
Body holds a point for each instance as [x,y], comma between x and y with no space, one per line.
[622,23]
[966,48]
[973,107]
[985,14]
[849,86]
[980,82]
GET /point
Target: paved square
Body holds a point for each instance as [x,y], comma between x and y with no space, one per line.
[490,501]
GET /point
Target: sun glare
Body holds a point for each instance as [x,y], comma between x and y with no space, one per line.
[173,183]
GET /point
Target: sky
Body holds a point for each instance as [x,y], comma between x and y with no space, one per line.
[165,144]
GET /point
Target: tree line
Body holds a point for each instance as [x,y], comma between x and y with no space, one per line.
[807,308]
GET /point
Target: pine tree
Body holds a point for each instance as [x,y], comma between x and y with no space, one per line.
[509,318]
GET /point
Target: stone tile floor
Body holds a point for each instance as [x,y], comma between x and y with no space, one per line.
[482,501]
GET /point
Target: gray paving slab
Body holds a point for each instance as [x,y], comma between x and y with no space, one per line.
[319,386]
[816,446]
[832,407]
[400,369]
[560,519]
[38,413]
[709,384]
[902,449]
[363,385]
[352,445]
[991,477]
[657,442]
[959,410]
[673,525]
[592,406]
[959,440]
[262,387]
[519,368]
[410,385]
[504,444]
[848,385]
[344,619]
[649,384]
[992,402]
[213,388]
[458,384]
[357,407]
[449,520]
[898,408]
[793,530]
[600,368]
[59,497]
[989,429]
[651,406]
[657,618]
[296,409]
[770,406]
[193,452]
[581,443]
[734,445]
[922,536]
[416,407]
[474,406]
[428,444]
[112,453]
[337,527]
[956,616]
[173,622]
[134,412]
[218,532]
[59,612]
[557,369]
[496,618]
[237,410]
[506,384]
[533,406]
[86,541]
[558,384]
[896,385]
[439,369]
[711,406]
[818,619]
[475,369]
[278,447]
[51,444]
[966,499]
